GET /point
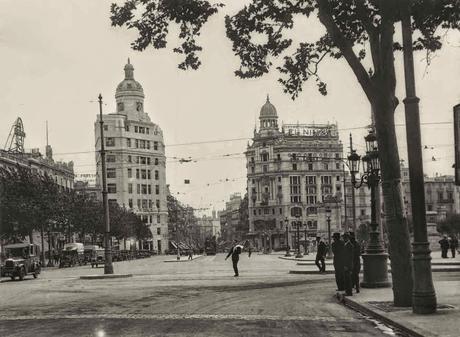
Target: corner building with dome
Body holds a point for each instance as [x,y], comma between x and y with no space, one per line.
[136,162]
[294,173]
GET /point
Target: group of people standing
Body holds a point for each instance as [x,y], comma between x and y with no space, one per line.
[347,260]
[447,243]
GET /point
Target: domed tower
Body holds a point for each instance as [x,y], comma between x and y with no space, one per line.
[268,118]
[129,94]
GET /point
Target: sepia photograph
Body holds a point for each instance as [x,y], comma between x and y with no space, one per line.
[230,168]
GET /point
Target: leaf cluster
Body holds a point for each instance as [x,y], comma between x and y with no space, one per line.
[153,24]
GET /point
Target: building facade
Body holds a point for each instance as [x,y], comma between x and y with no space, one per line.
[136,162]
[293,175]
[442,196]
[230,218]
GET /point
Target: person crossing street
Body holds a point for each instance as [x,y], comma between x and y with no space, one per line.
[235,252]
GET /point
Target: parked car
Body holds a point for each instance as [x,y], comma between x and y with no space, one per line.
[21,259]
[72,254]
[98,257]
[88,253]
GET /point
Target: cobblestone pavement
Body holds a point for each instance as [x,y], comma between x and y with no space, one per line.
[198,298]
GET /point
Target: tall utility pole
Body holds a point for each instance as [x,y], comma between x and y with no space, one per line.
[347,227]
[423,293]
[353,205]
[108,266]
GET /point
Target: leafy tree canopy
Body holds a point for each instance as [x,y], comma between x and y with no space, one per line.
[260,31]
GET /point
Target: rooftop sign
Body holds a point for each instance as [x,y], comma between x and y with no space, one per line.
[311,130]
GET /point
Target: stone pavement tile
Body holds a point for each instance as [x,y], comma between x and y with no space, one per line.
[444,323]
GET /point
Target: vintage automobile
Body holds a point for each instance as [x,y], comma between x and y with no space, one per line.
[98,257]
[71,255]
[88,253]
[21,259]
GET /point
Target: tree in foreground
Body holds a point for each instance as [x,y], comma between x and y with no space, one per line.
[360,31]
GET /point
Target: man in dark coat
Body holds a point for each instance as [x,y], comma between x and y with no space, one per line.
[444,246]
[337,249]
[320,254]
[453,245]
[356,262]
[235,252]
[348,253]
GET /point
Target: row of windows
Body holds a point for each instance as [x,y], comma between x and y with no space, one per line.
[294,156]
[143,189]
[111,158]
[145,204]
[140,188]
[309,167]
[136,143]
[140,173]
[311,210]
[141,144]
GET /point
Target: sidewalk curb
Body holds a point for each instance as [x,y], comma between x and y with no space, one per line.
[346,301]
[295,259]
[310,272]
[105,276]
[185,259]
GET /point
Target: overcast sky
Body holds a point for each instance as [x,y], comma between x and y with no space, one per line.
[58,55]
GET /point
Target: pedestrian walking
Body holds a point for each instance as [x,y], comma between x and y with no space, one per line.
[338,249]
[249,250]
[235,252]
[320,254]
[444,243]
[348,252]
[453,245]
[190,254]
[356,262]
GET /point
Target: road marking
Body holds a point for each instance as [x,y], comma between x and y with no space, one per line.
[159,317]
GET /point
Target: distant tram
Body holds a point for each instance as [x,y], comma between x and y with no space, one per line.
[210,246]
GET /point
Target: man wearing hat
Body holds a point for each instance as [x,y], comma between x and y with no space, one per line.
[356,262]
[348,249]
[444,243]
[338,249]
[320,254]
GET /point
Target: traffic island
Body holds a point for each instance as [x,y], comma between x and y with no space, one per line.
[104,276]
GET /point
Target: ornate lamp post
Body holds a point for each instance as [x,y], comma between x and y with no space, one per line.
[288,253]
[374,259]
[329,246]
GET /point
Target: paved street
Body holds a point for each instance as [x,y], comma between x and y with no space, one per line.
[198,298]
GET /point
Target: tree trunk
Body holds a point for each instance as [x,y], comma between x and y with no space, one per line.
[398,233]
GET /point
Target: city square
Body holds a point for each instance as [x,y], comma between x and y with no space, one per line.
[234,168]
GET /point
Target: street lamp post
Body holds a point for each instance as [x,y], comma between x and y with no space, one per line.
[50,259]
[375,268]
[288,253]
[329,246]
[298,223]
[423,293]
[305,248]
[108,266]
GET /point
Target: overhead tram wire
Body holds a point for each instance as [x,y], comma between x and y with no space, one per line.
[247,138]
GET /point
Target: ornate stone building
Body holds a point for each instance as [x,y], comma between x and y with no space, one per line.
[293,175]
[136,162]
